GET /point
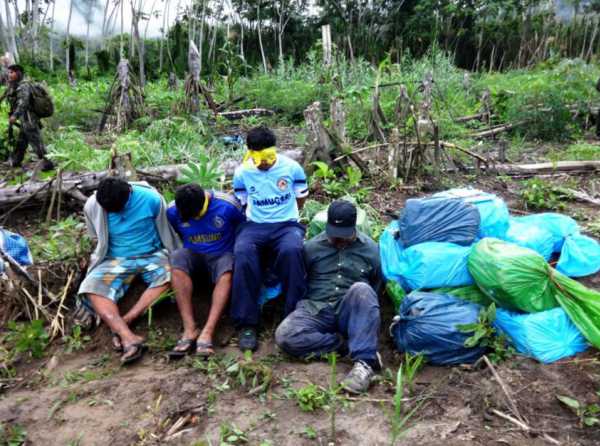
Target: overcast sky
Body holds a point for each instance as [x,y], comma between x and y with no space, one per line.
[78,22]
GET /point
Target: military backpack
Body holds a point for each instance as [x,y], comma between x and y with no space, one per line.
[41,101]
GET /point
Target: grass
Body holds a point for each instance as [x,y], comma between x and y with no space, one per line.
[581,151]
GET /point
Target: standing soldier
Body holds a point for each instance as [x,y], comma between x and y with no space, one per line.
[20,97]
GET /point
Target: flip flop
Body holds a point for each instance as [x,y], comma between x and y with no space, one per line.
[117,345]
[204,349]
[138,350]
[189,344]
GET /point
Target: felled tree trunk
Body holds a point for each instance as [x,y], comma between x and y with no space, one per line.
[125,101]
[77,185]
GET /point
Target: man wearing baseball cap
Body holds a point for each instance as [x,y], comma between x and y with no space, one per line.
[341,310]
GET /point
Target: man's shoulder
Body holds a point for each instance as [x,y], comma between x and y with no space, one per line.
[314,242]
[370,244]
[227,200]
[289,163]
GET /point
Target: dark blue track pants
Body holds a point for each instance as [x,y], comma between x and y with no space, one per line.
[304,333]
[283,241]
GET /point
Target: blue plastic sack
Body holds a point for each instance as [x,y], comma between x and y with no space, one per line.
[493,211]
[580,256]
[532,236]
[427,324]
[426,265]
[546,336]
[560,226]
[15,246]
[438,220]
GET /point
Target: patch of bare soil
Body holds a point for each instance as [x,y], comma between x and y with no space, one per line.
[87,397]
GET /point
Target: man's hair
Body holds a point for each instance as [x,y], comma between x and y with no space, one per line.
[260,138]
[18,68]
[189,200]
[112,194]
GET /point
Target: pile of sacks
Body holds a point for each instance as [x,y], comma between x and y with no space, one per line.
[465,249]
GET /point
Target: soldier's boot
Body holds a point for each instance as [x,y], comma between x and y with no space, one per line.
[18,154]
[36,141]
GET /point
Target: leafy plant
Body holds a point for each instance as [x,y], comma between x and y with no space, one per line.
[75,341]
[205,172]
[588,414]
[311,397]
[485,335]
[539,194]
[410,366]
[28,337]
[66,239]
[310,432]
[12,435]
[253,375]
[230,434]
[397,418]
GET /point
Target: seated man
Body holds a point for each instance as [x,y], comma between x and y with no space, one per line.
[273,187]
[341,309]
[134,235]
[206,221]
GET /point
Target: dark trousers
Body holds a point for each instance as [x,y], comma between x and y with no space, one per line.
[282,243]
[29,134]
[304,333]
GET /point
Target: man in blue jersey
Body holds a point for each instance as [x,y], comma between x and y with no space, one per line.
[206,221]
[134,237]
[273,187]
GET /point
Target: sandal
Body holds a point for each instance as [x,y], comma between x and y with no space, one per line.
[133,352]
[117,345]
[204,349]
[188,345]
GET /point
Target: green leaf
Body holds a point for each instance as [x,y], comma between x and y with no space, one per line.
[570,402]
[591,421]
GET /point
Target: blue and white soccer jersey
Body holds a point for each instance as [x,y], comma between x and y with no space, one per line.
[271,195]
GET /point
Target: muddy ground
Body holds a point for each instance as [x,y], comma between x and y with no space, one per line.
[86,398]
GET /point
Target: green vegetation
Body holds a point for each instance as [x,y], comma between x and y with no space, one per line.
[311,397]
[76,340]
[12,435]
[63,240]
[538,194]
[28,337]
[588,414]
[485,335]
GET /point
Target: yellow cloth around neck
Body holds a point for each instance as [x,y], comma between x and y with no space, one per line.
[204,207]
[268,155]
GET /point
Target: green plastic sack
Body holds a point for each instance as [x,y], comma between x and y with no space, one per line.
[470,293]
[519,279]
[317,224]
[396,293]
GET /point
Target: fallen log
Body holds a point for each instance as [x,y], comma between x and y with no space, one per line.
[77,185]
[548,168]
[239,114]
[493,131]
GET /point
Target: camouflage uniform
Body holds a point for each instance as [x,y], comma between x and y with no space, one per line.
[30,132]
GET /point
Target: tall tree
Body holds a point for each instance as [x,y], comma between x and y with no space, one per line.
[10,30]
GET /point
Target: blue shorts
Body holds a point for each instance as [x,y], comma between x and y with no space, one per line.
[112,277]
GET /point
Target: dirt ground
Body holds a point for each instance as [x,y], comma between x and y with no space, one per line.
[86,398]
